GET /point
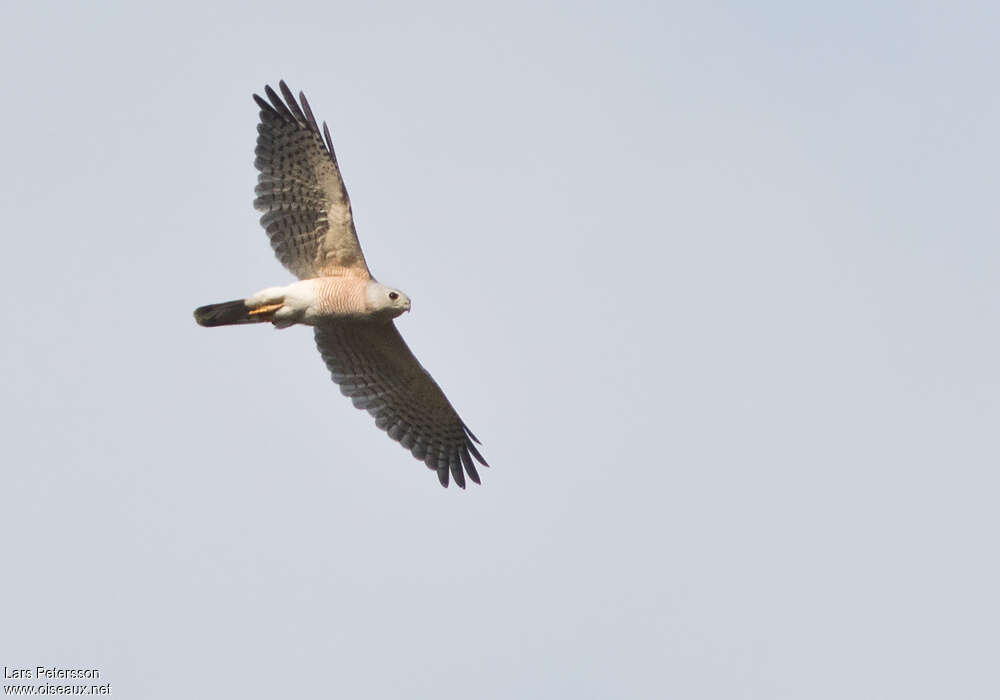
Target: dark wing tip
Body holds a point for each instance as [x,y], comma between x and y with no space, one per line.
[475,453]
[292,104]
[469,433]
[329,141]
[308,110]
[264,106]
[455,464]
[278,104]
[286,108]
[470,466]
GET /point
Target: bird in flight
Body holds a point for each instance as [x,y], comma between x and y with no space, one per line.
[307,217]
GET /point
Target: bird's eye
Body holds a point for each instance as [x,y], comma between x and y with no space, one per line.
[393,296]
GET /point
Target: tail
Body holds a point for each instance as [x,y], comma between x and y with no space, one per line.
[228,313]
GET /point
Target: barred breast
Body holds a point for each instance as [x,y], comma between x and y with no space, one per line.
[341,296]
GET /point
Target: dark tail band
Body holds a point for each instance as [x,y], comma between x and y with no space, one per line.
[228,313]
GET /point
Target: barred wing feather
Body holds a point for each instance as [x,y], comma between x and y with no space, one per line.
[374,367]
[307,213]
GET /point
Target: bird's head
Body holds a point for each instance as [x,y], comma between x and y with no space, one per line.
[386,300]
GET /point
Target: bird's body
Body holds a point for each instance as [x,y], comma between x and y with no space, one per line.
[307,216]
[313,302]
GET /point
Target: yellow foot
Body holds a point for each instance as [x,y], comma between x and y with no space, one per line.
[268,309]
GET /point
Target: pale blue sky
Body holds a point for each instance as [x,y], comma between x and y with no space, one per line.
[716,284]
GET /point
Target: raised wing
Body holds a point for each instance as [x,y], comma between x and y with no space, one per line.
[307,213]
[373,366]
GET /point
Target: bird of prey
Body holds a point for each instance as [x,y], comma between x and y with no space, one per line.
[307,216]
